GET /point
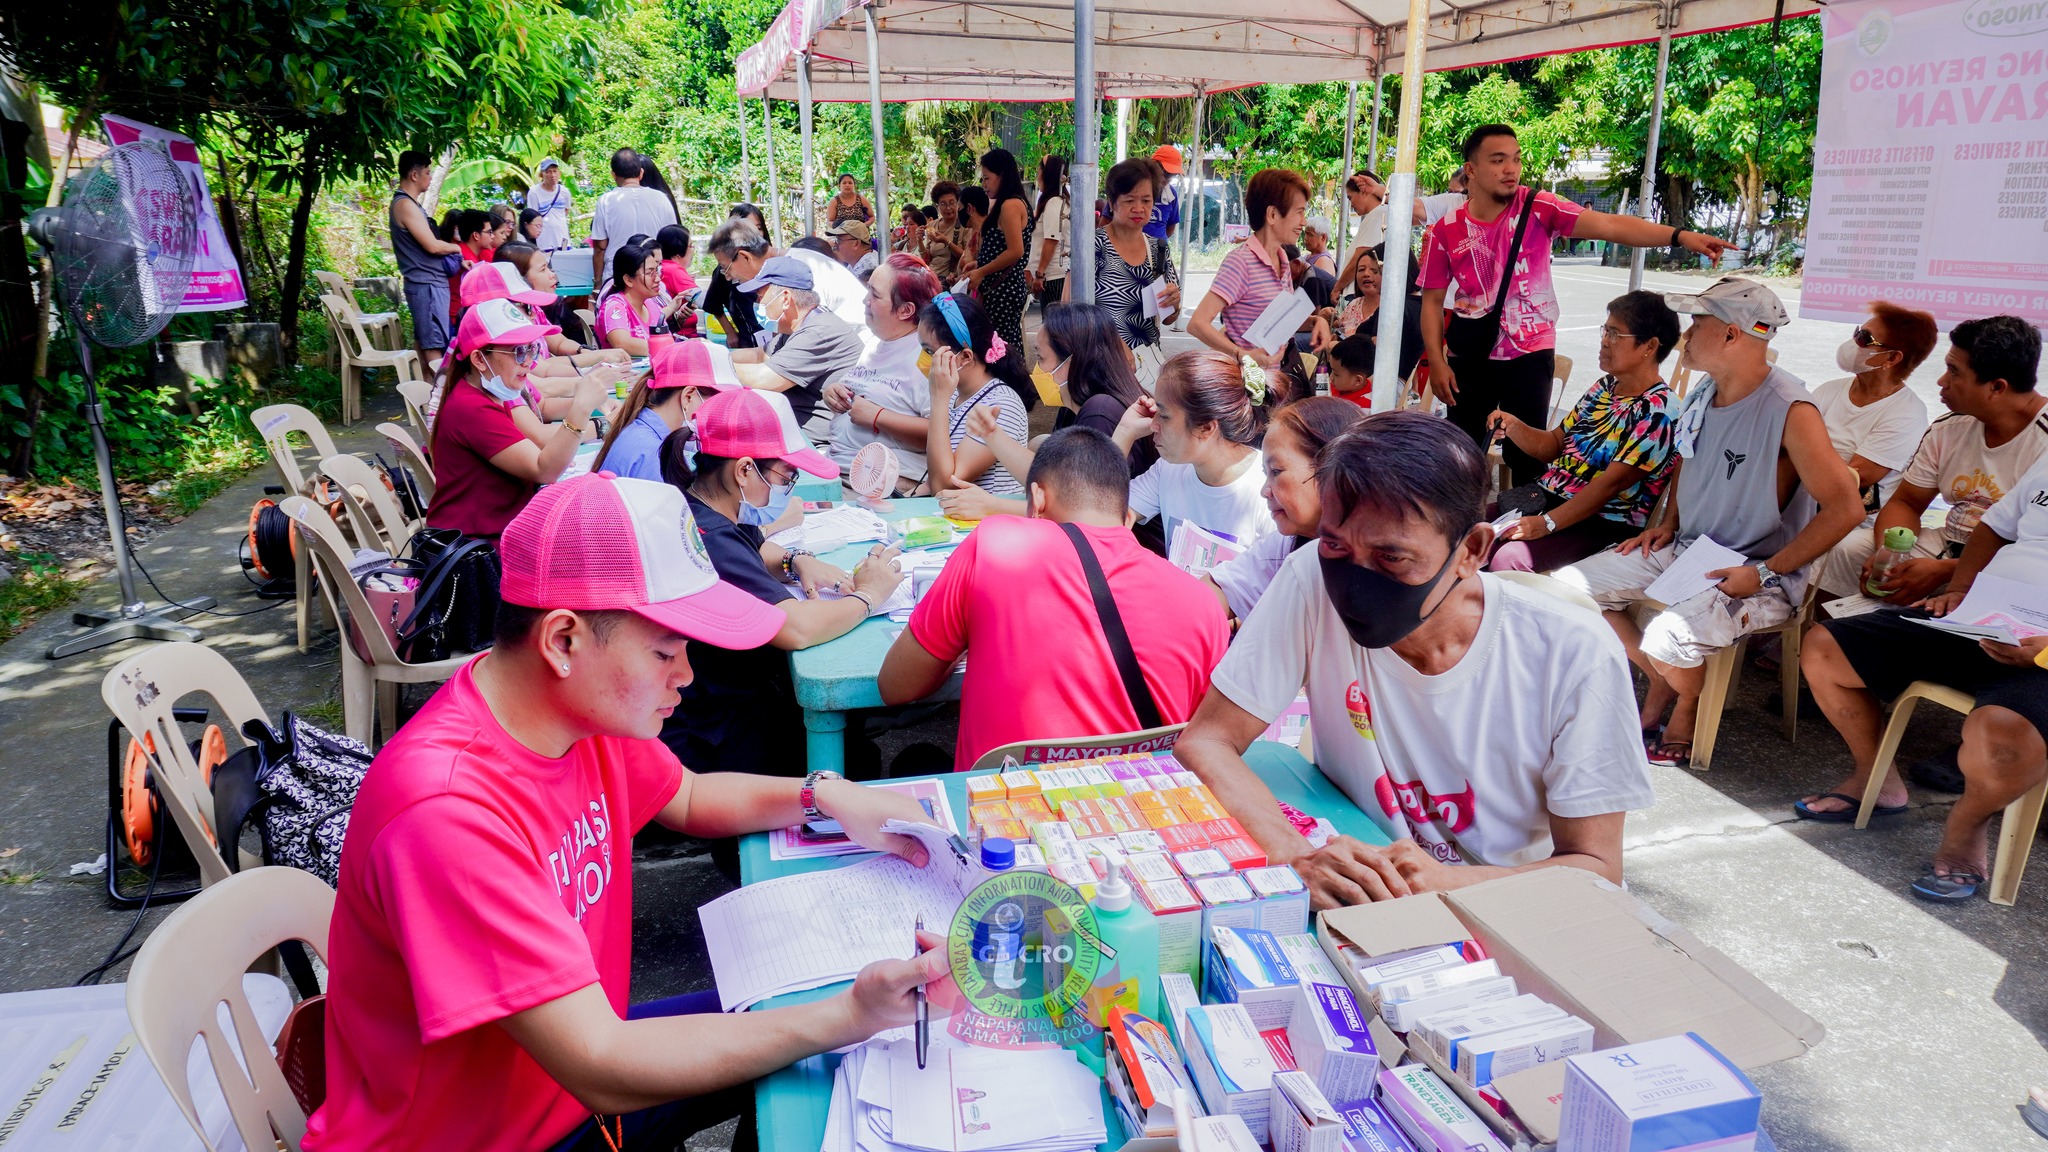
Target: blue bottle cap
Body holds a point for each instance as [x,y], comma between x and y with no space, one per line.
[998,854]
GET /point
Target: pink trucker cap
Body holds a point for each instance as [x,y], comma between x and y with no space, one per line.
[751,422]
[602,542]
[698,364]
[500,280]
[498,323]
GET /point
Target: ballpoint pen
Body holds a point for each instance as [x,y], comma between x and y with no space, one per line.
[924,1004]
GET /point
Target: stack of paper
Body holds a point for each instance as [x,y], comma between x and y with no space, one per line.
[963,1100]
[834,528]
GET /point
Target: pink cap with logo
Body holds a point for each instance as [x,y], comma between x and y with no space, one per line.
[698,364]
[500,280]
[751,422]
[601,542]
[499,323]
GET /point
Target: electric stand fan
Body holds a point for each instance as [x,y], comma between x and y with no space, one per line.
[121,248]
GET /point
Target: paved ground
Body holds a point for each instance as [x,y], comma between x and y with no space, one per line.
[1936,1017]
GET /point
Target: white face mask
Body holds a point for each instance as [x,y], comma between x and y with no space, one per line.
[1850,358]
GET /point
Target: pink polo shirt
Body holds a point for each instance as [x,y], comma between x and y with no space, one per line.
[478,880]
[1250,279]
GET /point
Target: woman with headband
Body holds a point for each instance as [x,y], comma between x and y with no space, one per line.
[971,366]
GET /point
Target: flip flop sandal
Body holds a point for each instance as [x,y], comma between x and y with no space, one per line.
[1953,888]
[1671,754]
[1843,815]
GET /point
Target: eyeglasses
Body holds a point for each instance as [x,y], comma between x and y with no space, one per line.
[1610,334]
[525,355]
[1864,339]
[778,474]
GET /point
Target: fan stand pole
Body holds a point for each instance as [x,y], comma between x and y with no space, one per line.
[134,621]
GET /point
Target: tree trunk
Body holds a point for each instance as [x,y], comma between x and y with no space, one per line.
[230,220]
[21,316]
[1755,207]
[430,203]
[295,256]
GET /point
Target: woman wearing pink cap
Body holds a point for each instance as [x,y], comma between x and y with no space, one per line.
[485,467]
[684,376]
[538,269]
[740,713]
[635,303]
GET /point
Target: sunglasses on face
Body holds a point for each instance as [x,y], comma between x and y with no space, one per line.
[525,355]
[1864,339]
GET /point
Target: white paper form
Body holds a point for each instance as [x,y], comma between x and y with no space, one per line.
[1997,609]
[1280,321]
[1148,299]
[1687,576]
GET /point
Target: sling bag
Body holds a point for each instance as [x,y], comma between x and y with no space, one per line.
[1113,629]
[1474,339]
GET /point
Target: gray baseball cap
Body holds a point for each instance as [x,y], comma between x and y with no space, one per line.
[1733,300]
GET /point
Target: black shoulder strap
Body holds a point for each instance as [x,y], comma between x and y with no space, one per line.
[1113,628]
[1507,274]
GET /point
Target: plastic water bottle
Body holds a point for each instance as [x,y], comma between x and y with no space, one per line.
[659,333]
[1323,375]
[1896,548]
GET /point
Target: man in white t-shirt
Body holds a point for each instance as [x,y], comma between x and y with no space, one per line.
[625,212]
[887,396]
[552,200]
[1995,432]
[1487,727]
[1875,422]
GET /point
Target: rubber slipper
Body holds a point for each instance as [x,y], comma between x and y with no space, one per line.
[1953,888]
[1843,815]
[1672,754]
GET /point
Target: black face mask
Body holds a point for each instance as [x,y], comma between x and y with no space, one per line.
[1378,610]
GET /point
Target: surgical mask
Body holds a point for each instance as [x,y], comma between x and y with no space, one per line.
[1378,610]
[924,364]
[761,316]
[1048,388]
[760,515]
[498,389]
[1850,358]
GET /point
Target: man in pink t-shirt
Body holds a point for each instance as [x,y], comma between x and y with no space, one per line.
[1015,598]
[1468,249]
[480,951]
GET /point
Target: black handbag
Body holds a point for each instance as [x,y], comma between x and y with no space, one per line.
[1466,338]
[456,608]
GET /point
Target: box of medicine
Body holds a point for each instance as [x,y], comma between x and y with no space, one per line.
[1031,809]
[1283,901]
[1198,862]
[1182,778]
[1401,1015]
[1176,995]
[1006,829]
[1677,1092]
[1231,1065]
[1301,1119]
[1149,801]
[1050,832]
[981,815]
[1377,970]
[1434,981]
[1225,829]
[1145,1072]
[1443,1030]
[1227,902]
[1308,959]
[1430,1114]
[1098,778]
[1332,1043]
[1147,867]
[1142,840]
[1177,913]
[1020,782]
[1368,1128]
[1074,784]
[1136,785]
[1030,857]
[1167,816]
[1242,854]
[1119,768]
[1248,967]
[1479,1060]
[1119,822]
[1220,1134]
[982,789]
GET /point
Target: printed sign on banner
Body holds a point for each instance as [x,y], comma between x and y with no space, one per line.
[1930,179]
[216,279]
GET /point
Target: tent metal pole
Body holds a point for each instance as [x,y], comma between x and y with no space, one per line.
[1182,192]
[739,107]
[1201,199]
[1087,157]
[1665,20]
[803,116]
[1123,129]
[881,166]
[774,182]
[1386,367]
[1343,174]
[1372,135]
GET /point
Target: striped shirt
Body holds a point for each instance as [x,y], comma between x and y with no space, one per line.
[1249,280]
[1010,418]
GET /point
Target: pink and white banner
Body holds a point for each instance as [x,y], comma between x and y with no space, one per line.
[216,279]
[1930,178]
[794,28]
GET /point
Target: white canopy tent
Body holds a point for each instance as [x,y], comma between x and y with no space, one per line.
[1027,50]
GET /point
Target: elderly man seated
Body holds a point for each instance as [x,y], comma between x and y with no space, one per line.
[1754,461]
[1486,726]
[1855,664]
[809,345]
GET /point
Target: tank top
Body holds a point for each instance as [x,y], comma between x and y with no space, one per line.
[414,262]
[1728,488]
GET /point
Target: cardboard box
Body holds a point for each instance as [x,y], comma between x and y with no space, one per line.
[1367,1128]
[1430,1114]
[1663,1094]
[1230,1064]
[1480,1060]
[1302,1120]
[1245,966]
[1582,943]
[1331,1041]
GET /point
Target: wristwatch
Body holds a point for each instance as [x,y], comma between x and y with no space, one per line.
[1766,577]
[808,795]
[1549,525]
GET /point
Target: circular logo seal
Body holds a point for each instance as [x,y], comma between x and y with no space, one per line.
[1024,951]
[1874,32]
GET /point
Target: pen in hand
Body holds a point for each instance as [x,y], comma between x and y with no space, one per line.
[924,1005]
